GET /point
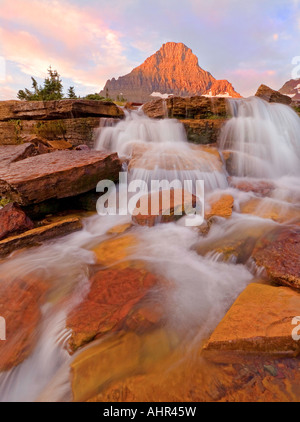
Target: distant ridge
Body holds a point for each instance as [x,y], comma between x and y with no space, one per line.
[173,69]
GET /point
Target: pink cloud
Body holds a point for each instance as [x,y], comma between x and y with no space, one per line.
[72,39]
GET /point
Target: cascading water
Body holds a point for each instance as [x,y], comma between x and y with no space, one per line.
[201,283]
[264,138]
[159,150]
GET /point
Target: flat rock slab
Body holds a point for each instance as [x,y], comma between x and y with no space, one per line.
[60,174]
[259,321]
[63,109]
[13,153]
[35,236]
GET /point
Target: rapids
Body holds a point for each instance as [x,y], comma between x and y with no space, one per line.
[204,283]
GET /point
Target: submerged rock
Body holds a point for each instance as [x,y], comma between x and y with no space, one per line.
[13,220]
[278,252]
[20,301]
[113,294]
[57,175]
[259,321]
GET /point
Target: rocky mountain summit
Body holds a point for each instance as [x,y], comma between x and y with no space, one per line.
[172,70]
[292,89]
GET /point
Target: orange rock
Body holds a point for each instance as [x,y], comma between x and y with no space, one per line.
[121,228]
[163,207]
[114,250]
[279,252]
[259,321]
[113,294]
[117,356]
[20,301]
[221,208]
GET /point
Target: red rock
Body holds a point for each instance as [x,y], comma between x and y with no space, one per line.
[268,94]
[113,294]
[57,175]
[13,220]
[12,153]
[62,109]
[278,252]
[179,205]
[259,187]
[20,301]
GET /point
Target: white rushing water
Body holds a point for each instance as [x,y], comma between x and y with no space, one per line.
[203,285]
[264,137]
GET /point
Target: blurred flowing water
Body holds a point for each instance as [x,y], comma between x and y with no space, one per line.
[266,138]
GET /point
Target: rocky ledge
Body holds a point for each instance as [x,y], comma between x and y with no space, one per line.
[75,121]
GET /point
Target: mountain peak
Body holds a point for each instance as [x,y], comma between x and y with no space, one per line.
[172,70]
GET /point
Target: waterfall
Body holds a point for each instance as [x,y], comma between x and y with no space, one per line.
[264,138]
[158,149]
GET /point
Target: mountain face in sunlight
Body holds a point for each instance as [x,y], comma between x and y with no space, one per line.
[173,69]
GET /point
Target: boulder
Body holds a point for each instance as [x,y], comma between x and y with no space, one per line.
[113,294]
[278,252]
[57,175]
[259,321]
[115,250]
[37,235]
[13,220]
[62,109]
[163,207]
[271,96]
[268,208]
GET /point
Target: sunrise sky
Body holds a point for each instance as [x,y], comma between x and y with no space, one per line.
[246,42]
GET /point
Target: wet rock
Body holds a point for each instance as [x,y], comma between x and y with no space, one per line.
[203,131]
[112,251]
[37,235]
[120,228]
[272,96]
[57,175]
[113,294]
[13,220]
[20,301]
[268,208]
[259,187]
[259,321]
[163,207]
[278,252]
[221,207]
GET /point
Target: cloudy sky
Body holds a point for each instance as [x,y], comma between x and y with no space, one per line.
[246,42]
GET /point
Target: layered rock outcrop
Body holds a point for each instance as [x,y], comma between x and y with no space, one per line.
[173,69]
[75,121]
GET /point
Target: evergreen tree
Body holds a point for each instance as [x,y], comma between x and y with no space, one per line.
[71,93]
[52,89]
